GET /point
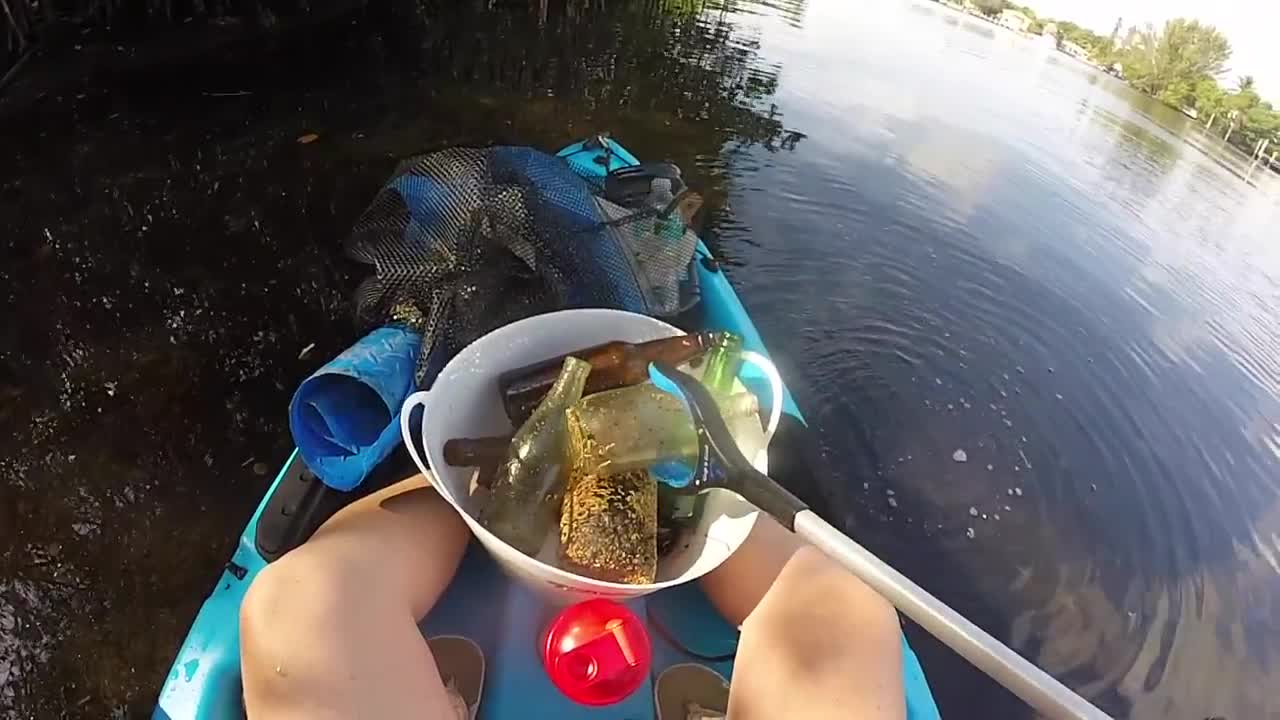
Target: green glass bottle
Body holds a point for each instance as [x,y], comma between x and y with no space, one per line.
[723,362]
[528,489]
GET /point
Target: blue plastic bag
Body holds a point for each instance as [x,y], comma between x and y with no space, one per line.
[345,417]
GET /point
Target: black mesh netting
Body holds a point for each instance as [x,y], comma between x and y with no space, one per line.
[465,240]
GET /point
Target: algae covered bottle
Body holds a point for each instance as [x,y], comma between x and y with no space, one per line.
[609,521]
[635,427]
[528,488]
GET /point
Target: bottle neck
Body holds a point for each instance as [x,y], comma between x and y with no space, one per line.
[474,452]
[723,363]
[676,350]
[567,388]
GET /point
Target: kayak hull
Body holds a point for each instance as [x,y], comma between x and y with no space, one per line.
[503,617]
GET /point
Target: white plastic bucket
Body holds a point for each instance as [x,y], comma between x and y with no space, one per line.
[464,403]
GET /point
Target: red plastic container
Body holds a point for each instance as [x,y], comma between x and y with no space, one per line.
[596,652]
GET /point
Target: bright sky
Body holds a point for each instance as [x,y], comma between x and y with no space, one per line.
[1252,26]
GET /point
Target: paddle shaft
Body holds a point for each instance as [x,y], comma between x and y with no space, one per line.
[1036,687]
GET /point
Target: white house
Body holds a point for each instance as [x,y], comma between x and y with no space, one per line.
[1013,20]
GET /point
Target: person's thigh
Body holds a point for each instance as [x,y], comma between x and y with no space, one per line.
[330,629]
[820,644]
[738,584]
[816,641]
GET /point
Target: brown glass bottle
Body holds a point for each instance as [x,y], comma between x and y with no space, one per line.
[487,453]
[613,365]
[476,452]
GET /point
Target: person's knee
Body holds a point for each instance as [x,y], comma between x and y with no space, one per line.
[290,600]
[822,632]
[816,604]
[844,593]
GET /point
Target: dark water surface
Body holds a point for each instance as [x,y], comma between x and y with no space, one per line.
[952,238]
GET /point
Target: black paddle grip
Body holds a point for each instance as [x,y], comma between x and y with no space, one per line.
[730,469]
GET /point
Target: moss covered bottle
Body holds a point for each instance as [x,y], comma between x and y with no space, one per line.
[635,427]
[609,521]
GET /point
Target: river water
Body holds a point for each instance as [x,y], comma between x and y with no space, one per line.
[953,238]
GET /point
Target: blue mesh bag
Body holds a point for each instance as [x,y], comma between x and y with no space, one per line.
[465,240]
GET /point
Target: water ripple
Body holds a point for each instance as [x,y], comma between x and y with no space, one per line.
[1077,309]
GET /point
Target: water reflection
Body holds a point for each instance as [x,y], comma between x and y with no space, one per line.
[791,12]
[1028,266]
[672,64]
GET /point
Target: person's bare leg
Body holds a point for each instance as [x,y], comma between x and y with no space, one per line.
[330,629]
[816,641]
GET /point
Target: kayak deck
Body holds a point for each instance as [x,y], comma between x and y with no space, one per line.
[503,617]
[507,618]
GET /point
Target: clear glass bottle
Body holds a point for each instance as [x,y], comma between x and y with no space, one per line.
[529,487]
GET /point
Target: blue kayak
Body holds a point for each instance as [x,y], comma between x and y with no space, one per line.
[204,681]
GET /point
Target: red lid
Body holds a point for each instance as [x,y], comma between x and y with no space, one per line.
[596,652]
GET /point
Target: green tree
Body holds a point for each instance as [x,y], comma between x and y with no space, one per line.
[989,8]
[1105,52]
[1084,37]
[1208,99]
[1179,93]
[1031,14]
[1179,64]
[1261,123]
[1243,100]
[1249,118]
[1168,62]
